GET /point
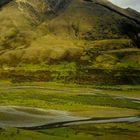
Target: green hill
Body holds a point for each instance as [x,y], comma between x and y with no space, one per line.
[82,41]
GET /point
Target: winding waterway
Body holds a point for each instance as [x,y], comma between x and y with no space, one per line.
[36,118]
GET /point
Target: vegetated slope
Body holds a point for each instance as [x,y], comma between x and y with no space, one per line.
[93,39]
[133,13]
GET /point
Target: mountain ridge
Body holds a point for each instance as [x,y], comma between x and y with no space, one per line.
[86,35]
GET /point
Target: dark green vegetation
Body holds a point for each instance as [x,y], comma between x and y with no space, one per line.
[80,101]
[81,132]
[76,41]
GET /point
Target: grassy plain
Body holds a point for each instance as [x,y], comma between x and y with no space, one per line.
[80,100]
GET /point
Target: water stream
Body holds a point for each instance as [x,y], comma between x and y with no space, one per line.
[35,118]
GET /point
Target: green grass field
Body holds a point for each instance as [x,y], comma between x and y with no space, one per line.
[81,132]
[80,101]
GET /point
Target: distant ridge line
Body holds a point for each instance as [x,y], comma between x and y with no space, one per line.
[120,13]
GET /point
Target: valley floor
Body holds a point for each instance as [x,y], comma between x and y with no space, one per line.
[85,101]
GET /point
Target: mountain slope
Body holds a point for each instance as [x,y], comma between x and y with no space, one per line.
[3,2]
[88,36]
